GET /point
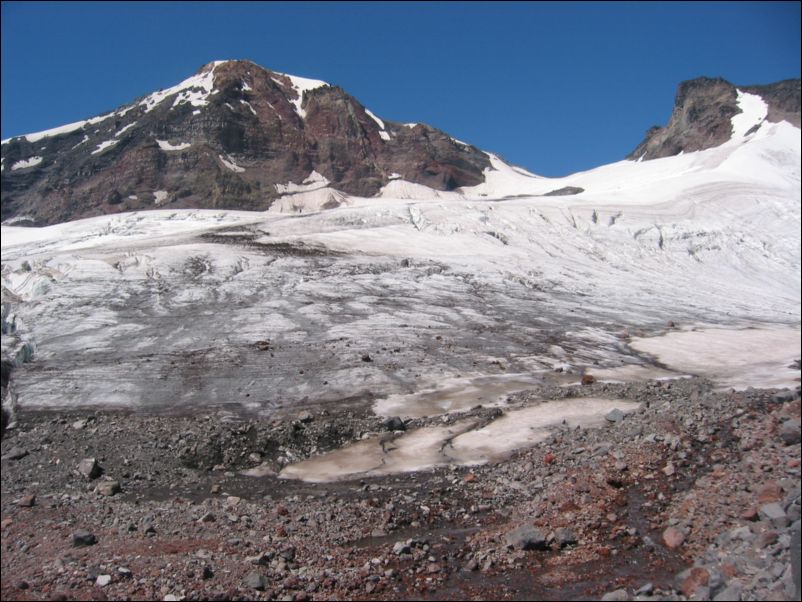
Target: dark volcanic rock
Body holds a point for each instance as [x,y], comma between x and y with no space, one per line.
[565,191]
[230,149]
[702,112]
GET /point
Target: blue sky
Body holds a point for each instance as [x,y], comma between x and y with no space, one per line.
[554,87]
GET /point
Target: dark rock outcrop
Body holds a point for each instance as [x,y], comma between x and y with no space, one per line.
[702,112]
[230,147]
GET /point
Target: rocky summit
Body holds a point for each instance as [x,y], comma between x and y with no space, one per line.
[235,136]
[702,112]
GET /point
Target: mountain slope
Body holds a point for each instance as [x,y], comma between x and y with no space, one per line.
[234,135]
[168,308]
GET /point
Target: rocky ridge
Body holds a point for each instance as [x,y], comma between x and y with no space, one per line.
[233,136]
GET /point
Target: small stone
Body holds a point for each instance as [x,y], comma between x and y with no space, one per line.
[103,580]
[89,468]
[673,538]
[83,538]
[614,415]
[108,488]
[527,538]
[26,501]
[254,580]
[80,424]
[208,573]
[15,453]
[394,423]
[402,547]
[767,538]
[366,358]
[790,433]
[750,514]
[260,559]
[770,492]
[6,523]
[699,577]
[305,416]
[232,500]
[615,596]
[775,514]
[207,518]
[124,573]
[645,590]
[469,478]
[216,488]
[564,537]
[731,593]
[588,379]
[669,469]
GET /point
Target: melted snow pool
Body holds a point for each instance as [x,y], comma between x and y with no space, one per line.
[751,357]
[460,443]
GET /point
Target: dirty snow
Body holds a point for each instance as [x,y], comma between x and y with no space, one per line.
[751,357]
[460,443]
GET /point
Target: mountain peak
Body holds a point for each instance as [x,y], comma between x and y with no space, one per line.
[233,135]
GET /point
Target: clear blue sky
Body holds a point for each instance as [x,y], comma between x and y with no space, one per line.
[554,87]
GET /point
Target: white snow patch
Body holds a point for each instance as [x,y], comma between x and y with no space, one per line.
[133,197]
[753,111]
[301,85]
[310,201]
[68,128]
[247,104]
[104,145]
[160,196]
[229,163]
[194,90]
[313,181]
[245,87]
[86,139]
[384,135]
[397,188]
[376,119]
[410,125]
[25,163]
[166,146]
[125,129]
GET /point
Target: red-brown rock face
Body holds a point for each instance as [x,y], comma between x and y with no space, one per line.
[225,138]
